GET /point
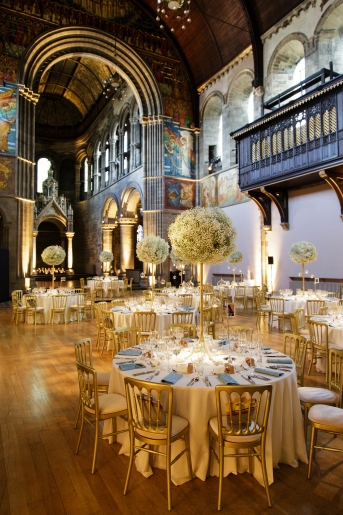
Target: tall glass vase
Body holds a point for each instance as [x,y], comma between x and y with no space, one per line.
[152,282]
[201,341]
[53,276]
[303,276]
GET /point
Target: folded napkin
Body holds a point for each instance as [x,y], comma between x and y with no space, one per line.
[261,370]
[187,308]
[265,347]
[130,366]
[121,311]
[280,360]
[227,379]
[130,352]
[171,378]
[118,308]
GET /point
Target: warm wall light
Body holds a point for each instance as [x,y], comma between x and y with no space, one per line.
[27,282]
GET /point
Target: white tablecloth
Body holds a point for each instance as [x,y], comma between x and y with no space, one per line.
[105,284]
[292,304]
[285,436]
[46,303]
[335,335]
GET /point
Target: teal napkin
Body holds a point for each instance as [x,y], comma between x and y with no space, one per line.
[187,308]
[227,379]
[261,370]
[130,352]
[280,360]
[119,309]
[171,378]
[130,366]
[265,347]
[222,342]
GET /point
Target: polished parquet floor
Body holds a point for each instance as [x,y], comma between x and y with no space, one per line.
[40,474]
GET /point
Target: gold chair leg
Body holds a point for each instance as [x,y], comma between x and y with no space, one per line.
[81,430]
[305,422]
[169,477]
[188,453]
[221,474]
[95,445]
[265,476]
[78,412]
[132,440]
[312,451]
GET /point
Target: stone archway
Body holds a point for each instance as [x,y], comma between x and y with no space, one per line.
[111,233]
[129,220]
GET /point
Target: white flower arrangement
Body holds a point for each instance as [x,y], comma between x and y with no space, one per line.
[152,249]
[235,257]
[303,252]
[53,255]
[106,256]
[202,235]
[177,261]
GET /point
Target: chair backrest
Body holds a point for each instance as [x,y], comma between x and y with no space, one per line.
[127,337]
[83,351]
[319,334]
[59,301]
[241,331]
[182,317]
[88,384]
[246,409]
[31,301]
[186,299]
[239,291]
[82,283]
[118,302]
[323,310]
[295,346]
[145,320]
[99,306]
[313,305]
[150,408]
[98,285]
[299,315]
[208,314]
[208,287]
[147,294]
[81,299]
[18,293]
[277,304]
[108,320]
[189,330]
[336,372]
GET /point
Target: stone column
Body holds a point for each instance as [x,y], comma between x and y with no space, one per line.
[107,244]
[34,251]
[70,236]
[127,243]
[90,168]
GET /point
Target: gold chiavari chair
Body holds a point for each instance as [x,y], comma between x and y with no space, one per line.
[295,346]
[250,298]
[90,302]
[113,289]
[263,309]
[312,307]
[319,344]
[182,317]
[189,330]
[152,425]
[186,299]
[80,307]
[32,310]
[242,426]
[310,396]
[18,307]
[126,337]
[59,306]
[97,408]
[146,321]
[209,316]
[117,302]
[84,355]
[82,284]
[240,296]
[109,328]
[99,322]
[277,306]
[241,332]
[98,287]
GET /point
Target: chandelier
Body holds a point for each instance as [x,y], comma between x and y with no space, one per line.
[170,11]
[114,81]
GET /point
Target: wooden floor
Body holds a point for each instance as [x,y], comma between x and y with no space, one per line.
[40,474]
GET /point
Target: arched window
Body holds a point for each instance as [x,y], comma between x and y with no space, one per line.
[212,135]
[287,67]
[126,144]
[241,108]
[43,165]
[107,161]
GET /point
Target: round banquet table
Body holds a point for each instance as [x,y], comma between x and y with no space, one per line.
[285,435]
[45,301]
[293,303]
[335,335]
[105,284]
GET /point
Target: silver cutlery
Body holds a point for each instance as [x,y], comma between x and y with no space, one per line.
[263,378]
[248,378]
[207,381]
[125,362]
[192,381]
[142,373]
[153,375]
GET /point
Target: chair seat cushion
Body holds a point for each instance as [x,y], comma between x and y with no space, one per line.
[326,415]
[231,438]
[317,395]
[178,425]
[111,403]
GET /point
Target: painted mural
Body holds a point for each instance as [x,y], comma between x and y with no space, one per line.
[222,190]
[8,118]
[7,183]
[209,192]
[179,194]
[178,151]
